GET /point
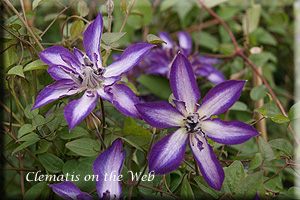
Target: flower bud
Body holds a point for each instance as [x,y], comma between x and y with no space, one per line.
[110,6]
[92,122]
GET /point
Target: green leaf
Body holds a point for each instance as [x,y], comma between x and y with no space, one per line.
[35,191]
[76,29]
[166,4]
[279,119]
[84,147]
[37,64]
[265,149]
[248,187]
[210,3]
[274,185]
[109,38]
[158,85]
[282,145]
[240,106]
[206,188]
[262,111]
[263,37]
[36,3]
[186,191]
[253,19]
[294,112]
[26,128]
[234,174]
[28,140]
[75,133]
[258,92]
[51,162]
[144,10]
[16,70]
[206,40]
[31,114]
[255,162]
[82,8]
[137,134]
[261,59]
[153,39]
[43,147]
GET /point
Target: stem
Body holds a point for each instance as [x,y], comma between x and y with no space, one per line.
[102,118]
[126,16]
[25,23]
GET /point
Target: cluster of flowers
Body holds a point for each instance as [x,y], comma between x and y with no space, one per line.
[77,72]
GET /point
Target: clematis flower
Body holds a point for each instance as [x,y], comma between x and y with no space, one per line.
[194,123]
[159,61]
[108,162]
[78,72]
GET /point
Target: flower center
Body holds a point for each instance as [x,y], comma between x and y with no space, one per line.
[192,123]
[91,75]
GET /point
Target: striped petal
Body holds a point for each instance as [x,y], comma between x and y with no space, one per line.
[183,82]
[54,91]
[209,166]
[69,191]
[78,109]
[232,132]
[220,98]
[167,154]
[124,99]
[129,58]
[160,114]
[108,164]
[52,55]
[185,43]
[92,40]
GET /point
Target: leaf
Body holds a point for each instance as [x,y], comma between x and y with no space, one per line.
[206,40]
[16,70]
[255,162]
[166,4]
[294,112]
[82,8]
[240,106]
[75,133]
[37,64]
[153,39]
[282,145]
[109,38]
[26,128]
[263,37]
[84,147]
[186,191]
[210,3]
[35,191]
[206,188]
[258,92]
[248,187]
[265,149]
[28,140]
[279,119]
[158,85]
[36,3]
[253,19]
[51,162]
[43,147]
[31,114]
[234,174]
[261,59]
[144,9]
[137,134]
[76,29]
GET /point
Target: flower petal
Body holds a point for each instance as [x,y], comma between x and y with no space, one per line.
[92,40]
[54,91]
[180,105]
[232,132]
[167,38]
[167,154]
[220,98]
[160,114]
[52,55]
[108,164]
[129,58]
[69,191]
[216,77]
[209,166]
[104,94]
[61,72]
[185,42]
[78,109]
[124,99]
[183,82]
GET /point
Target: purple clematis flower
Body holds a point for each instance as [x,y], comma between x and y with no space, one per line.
[160,60]
[77,72]
[108,162]
[194,123]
